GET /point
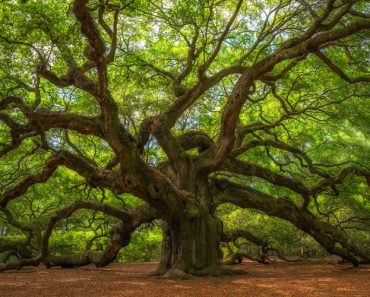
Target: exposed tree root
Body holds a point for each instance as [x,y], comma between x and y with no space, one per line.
[177,274]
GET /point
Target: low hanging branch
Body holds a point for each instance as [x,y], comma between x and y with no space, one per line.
[120,235]
[94,175]
[236,258]
[327,235]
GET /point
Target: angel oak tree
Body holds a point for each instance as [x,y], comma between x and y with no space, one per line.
[186,105]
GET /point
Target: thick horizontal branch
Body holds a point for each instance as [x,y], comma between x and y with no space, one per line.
[42,176]
[339,178]
[318,40]
[237,257]
[329,182]
[120,233]
[45,119]
[283,146]
[327,235]
[17,132]
[250,169]
[19,245]
[94,175]
[241,233]
[74,77]
[119,237]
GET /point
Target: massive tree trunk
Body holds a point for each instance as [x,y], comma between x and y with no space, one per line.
[191,246]
[191,236]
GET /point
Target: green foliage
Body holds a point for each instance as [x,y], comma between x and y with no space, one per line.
[145,245]
[320,113]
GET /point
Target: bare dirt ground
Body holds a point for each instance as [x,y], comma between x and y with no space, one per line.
[277,279]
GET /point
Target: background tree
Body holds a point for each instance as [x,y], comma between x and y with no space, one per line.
[184,106]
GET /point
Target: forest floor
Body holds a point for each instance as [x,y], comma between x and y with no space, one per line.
[277,279]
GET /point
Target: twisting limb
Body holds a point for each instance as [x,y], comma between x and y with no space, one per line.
[88,28]
[44,119]
[165,121]
[283,146]
[263,244]
[235,234]
[328,181]
[119,236]
[50,166]
[95,176]
[238,256]
[339,178]
[112,32]
[245,83]
[250,169]
[327,235]
[21,248]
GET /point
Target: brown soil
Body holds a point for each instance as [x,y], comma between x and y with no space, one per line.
[277,279]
